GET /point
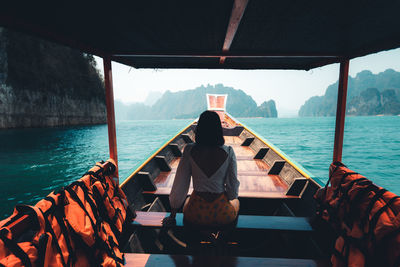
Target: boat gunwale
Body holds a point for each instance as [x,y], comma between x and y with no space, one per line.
[293,163]
[155,154]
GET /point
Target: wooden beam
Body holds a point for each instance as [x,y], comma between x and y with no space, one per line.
[112,135]
[227,55]
[341,110]
[238,9]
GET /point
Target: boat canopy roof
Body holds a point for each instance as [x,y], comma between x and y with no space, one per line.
[223,34]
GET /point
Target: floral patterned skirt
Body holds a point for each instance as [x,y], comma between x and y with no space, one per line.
[209,209]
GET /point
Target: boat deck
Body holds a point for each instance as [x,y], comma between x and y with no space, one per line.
[271,226]
[253,175]
[141,259]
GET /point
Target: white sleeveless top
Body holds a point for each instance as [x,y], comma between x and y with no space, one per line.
[224,179]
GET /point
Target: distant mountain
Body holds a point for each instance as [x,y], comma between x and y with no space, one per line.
[367,94]
[190,103]
[132,111]
[372,102]
[152,98]
[267,109]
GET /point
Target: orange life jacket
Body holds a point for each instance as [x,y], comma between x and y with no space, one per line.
[27,249]
[62,249]
[78,225]
[86,223]
[365,216]
[109,197]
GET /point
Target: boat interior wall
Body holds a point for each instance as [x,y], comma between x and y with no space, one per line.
[277,165]
[146,239]
[146,181]
[248,141]
[305,206]
[180,139]
[156,167]
[235,131]
[230,121]
[298,187]
[261,153]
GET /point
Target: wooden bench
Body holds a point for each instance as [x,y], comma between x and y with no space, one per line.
[165,191]
[164,260]
[275,223]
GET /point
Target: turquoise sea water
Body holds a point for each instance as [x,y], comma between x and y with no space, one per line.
[34,162]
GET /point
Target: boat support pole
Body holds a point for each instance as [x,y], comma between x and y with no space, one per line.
[341,110]
[112,136]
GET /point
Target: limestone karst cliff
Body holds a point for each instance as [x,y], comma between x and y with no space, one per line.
[44,84]
[368,94]
[373,102]
[190,103]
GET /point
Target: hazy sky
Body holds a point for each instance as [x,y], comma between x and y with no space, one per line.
[289,88]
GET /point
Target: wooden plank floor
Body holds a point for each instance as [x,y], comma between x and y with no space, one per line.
[141,260]
[252,174]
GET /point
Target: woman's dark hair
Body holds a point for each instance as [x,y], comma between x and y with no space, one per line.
[209,130]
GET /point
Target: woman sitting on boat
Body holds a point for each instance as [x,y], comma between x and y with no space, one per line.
[212,165]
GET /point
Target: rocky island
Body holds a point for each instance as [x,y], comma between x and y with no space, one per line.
[367,94]
[190,103]
[43,84]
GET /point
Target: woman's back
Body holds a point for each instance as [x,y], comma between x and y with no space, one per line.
[209,158]
[212,168]
[212,165]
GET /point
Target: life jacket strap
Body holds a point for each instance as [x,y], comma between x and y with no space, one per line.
[370,206]
[42,246]
[353,209]
[54,238]
[376,216]
[103,211]
[339,188]
[64,231]
[88,199]
[77,200]
[90,251]
[15,248]
[98,241]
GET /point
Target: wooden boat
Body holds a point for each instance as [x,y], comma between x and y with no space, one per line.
[276,193]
